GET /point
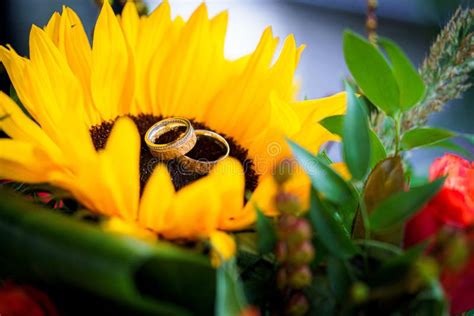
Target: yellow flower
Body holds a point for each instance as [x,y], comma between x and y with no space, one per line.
[139,70]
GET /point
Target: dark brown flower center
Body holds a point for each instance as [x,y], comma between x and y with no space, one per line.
[204,148]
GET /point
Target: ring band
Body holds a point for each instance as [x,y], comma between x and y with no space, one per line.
[175,148]
[202,165]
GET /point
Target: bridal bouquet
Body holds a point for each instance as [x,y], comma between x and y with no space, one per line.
[146,174]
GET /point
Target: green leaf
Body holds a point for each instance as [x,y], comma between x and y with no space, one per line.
[430,302]
[397,267]
[344,212]
[339,277]
[356,138]
[378,152]
[143,276]
[409,81]
[230,298]
[324,157]
[424,136]
[372,73]
[330,232]
[452,146]
[323,177]
[335,124]
[402,205]
[468,137]
[266,233]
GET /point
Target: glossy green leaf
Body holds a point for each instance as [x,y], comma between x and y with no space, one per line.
[323,177]
[371,72]
[335,124]
[355,136]
[329,231]
[266,233]
[402,205]
[412,87]
[424,136]
[230,299]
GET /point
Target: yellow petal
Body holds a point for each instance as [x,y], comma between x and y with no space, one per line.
[130,22]
[195,211]
[284,69]
[157,37]
[342,169]
[318,109]
[121,227]
[229,178]
[19,127]
[261,197]
[112,78]
[76,48]
[20,161]
[223,247]
[156,199]
[15,66]
[319,137]
[194,59]
[52,82]
[244,101]
[52,28]
[283,116]
[120,162]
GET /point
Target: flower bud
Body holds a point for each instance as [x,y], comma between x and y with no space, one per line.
[300,277]
[298,304]
[285,225]
[427,268]
[302,254]
[281,251]
[423,272]
[359,292]
[283,171]
[456,252]
[287,203]
[299,232]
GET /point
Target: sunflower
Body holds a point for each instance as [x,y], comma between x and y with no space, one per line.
[89,107]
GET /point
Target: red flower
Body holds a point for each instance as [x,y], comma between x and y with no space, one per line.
[452,207]
[18,300]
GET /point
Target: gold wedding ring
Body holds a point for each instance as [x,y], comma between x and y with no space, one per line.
[170,148]
[202,165]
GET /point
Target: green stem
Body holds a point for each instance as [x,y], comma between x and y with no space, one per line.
[397,120]
[365,218]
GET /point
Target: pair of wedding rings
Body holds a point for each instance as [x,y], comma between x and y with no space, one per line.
[175,138]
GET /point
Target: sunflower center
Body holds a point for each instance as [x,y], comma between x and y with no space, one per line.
[204,148]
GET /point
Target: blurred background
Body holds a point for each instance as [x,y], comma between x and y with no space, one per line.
[319,24]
